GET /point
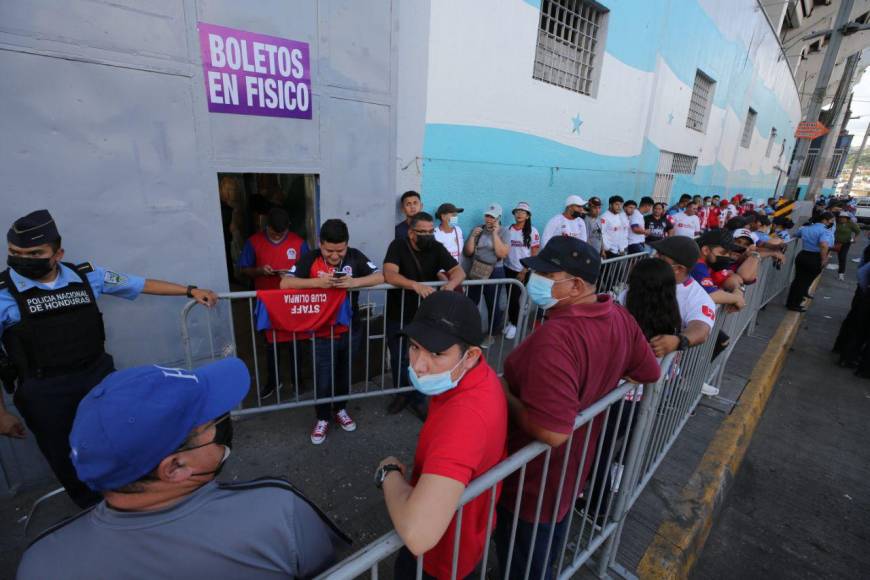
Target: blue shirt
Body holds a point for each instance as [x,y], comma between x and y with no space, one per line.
[704,276]
[103,281]
[815,234]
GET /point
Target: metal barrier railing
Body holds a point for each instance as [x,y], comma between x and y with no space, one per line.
[623,443]
[341,366]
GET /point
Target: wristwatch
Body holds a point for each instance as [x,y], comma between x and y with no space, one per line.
[684,342]
[381,473]
[190,290]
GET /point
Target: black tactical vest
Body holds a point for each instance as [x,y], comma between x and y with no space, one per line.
[60,331]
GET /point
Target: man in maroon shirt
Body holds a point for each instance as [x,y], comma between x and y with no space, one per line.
[463,437]
[586,345]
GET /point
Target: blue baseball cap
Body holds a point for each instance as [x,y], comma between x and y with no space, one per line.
[136,417]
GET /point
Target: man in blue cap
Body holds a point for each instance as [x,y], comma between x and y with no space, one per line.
[152,440]
[54,339]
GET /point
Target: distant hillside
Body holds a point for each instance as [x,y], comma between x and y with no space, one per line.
[863,163]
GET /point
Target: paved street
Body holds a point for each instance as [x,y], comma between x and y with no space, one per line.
[800,505]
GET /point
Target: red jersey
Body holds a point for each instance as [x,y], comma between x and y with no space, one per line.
[712,218]
[464,436]
[260,251]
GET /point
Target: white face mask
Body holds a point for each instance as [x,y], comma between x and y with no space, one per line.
[453,221]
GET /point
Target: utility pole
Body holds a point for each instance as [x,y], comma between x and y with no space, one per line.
[815,105]
[848,189]
[829,142]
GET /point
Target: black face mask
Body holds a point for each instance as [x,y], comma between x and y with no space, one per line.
[721,263]
[829,226]
[223,435]
[425,241]
[32,268]
[576,214]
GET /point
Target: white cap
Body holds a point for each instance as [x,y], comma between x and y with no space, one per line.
[523,206]
[493,210]
[745,233]
[574,200]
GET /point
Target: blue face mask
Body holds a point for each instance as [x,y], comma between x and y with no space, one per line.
[540,290]
[453,221]
[436,384]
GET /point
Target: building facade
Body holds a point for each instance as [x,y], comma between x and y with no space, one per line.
[534,100]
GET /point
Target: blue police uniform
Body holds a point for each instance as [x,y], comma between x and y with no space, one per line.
[808,263]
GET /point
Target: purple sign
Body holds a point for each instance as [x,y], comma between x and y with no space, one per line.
[254,74]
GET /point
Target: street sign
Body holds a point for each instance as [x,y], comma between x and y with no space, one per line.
[810,130]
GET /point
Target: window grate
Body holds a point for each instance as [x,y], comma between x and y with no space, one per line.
[751,115]
[567,53]
[685,164]
[771,141]
[699,105]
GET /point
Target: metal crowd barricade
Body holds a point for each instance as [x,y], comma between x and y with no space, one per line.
[587,527]
[614,272]
[368,359]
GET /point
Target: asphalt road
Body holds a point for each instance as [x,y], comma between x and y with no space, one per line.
[800,504]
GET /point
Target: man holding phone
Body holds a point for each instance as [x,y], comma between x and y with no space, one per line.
[267,256]
[334,265]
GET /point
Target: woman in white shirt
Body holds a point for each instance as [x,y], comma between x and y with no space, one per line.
[524,242]
[449,233]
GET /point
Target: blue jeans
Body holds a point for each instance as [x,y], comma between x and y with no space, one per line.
[332,364]
[491,294]
[398,347]
[523,543]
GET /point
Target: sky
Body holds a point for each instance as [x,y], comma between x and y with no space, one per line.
[860,108]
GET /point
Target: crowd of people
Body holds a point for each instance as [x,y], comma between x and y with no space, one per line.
[141,448]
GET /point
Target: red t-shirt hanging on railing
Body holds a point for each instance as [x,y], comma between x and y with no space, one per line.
[323,311]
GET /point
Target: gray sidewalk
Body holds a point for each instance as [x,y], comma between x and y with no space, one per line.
[800,506]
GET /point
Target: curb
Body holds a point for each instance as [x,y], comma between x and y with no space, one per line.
[678,542]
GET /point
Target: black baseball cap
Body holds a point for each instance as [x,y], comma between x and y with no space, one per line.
[444,319]
[594,201]
[565,254]
[34,229]
[448,208]
[681,249]
[717,237]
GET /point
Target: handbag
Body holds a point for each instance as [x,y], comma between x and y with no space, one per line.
[480,269]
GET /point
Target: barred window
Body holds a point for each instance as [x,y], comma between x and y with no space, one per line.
[751,115]
[570,44]
[699,106]
[771,141]
[684,164]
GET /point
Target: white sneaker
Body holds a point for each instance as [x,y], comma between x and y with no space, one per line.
[832,266]
[709,390]
[345,421]
[841,277]
[510,331]
[318,434]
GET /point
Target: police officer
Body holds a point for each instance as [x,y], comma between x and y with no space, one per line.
[818,238]
[53,335]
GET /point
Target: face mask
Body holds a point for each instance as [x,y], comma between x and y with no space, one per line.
[223,436]
[576,214]
[431,385]
[541,290]
[453,221]
[424,242]
[829,226]
[721,263]
[33,268]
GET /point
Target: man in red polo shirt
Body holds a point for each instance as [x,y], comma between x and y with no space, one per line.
[463,436]
[585,346]
[266,256]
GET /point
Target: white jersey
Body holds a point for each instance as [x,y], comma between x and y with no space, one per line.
[686,225]
[559,225]
[726,214]
[518,249]
[636,219]
[452,241]
[614,232]
[695,303]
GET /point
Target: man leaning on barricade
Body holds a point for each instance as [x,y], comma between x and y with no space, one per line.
[550,378]
[152,440]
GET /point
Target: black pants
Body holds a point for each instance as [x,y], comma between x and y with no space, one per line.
[851,320]
[634,248]
[275,348]
[855,331]
[843,257]
[514,302]
[49,407]
[807,267]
